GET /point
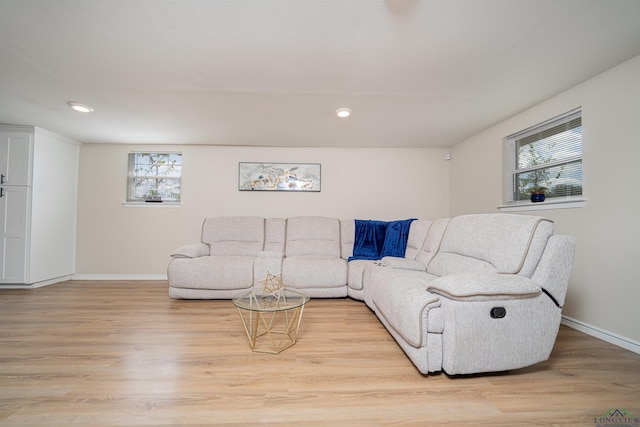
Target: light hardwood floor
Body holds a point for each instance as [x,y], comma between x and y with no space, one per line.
[123,353]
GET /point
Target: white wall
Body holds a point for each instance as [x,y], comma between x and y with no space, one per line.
[383,184]
[604,290]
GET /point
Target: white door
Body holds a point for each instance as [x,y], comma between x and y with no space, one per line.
[14,208]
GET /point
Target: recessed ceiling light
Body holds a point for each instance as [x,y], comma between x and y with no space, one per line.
[343,112]
[80,107]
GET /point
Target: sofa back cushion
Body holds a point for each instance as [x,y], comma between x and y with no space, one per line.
[234,235]
[415,240]
[312,235]
[274,235]
[432,240]
[347,237]
[500,243]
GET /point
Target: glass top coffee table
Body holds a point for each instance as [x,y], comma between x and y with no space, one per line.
[271,320]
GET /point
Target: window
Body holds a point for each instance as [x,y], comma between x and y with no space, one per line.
[546,157]
[154,177]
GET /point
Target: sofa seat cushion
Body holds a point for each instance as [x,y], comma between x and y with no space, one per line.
[314,272]
[404,263]
[405,304]
[356,272]
[484,287]
[217,272]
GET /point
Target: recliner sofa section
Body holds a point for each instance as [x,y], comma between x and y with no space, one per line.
[233,251]
[475,293]
[490,298]
[236,253]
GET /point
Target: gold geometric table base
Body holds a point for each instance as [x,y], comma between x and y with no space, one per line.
[271,316]
[271,331]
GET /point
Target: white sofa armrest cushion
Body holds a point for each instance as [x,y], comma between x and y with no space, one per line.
[403,263]
[484,287]
[194,250]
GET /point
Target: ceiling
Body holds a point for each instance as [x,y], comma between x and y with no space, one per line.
[272,72]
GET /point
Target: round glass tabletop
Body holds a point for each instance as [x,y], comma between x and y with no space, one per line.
[280,300]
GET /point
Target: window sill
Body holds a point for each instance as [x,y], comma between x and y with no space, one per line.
[550,204]
[151,205]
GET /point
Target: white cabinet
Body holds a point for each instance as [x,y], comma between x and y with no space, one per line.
[38,201]
[14,208]
[15,158]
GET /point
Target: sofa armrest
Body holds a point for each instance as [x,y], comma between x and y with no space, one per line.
[554,268]
[403,263]
[484,287]
[194,250]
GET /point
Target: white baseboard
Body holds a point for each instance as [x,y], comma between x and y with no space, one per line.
[50,282]
[119,277]
[607,336]
[36,284]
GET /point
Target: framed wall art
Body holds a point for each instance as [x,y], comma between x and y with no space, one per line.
[278,176]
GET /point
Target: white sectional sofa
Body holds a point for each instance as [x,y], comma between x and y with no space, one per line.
[472,294]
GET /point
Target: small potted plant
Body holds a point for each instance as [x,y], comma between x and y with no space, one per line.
[538,194]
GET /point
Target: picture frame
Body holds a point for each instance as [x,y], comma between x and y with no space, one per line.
[254,176]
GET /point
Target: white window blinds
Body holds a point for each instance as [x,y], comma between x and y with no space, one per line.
[154,177]
[545,158]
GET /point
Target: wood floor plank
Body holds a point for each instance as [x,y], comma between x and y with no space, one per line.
[123,353]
